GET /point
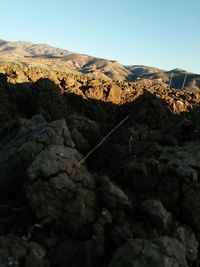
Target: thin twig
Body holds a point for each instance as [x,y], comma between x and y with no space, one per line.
[32,229]
[183,85]
[12,208]
[170,82]
[101,142]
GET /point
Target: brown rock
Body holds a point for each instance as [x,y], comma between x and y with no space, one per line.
[94,93]
[114,95]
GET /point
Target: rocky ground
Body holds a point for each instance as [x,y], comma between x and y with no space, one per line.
[135,201]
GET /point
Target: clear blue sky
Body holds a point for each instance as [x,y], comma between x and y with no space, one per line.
[160,33]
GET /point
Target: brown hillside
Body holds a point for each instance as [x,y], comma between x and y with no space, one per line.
[45,56]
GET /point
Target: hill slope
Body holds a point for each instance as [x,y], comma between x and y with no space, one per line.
[46,56]
[56,58]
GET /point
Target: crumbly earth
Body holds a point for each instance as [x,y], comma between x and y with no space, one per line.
[134,201]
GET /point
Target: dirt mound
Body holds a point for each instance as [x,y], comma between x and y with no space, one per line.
[134,201]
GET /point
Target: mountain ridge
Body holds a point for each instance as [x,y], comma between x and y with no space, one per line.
[61,59]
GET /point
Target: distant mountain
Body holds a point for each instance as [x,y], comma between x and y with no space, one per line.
[140,70]
[51,57]
[177,78]
[46,56]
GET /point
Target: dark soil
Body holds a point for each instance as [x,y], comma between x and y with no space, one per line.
[135,201]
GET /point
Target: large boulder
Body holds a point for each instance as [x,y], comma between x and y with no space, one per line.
[21,141]
[160,252]
[114,94]
[42,156]
[60,190]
